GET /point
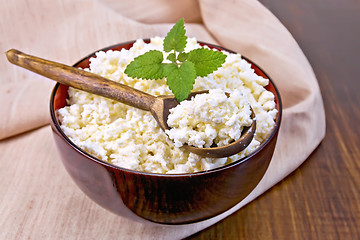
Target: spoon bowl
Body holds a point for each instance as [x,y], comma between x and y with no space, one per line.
[93,83]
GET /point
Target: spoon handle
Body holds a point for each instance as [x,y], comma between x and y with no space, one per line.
[82,80]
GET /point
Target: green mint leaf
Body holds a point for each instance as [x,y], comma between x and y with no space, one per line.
[171,57]
[180,79]
[206,60]
[176,39]
[182,56]
[147,66]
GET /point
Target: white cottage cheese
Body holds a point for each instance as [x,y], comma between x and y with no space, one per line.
[130,138]
[209,118]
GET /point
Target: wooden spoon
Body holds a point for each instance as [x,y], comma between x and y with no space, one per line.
[93,83]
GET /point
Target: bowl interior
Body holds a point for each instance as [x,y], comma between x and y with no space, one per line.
[60,94]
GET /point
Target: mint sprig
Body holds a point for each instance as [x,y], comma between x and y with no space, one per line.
[181,73]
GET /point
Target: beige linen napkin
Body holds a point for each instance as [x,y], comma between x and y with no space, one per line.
[39,200]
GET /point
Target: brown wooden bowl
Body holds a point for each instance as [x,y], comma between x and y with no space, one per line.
[162,198]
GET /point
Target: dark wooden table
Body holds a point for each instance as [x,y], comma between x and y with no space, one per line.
[321,199]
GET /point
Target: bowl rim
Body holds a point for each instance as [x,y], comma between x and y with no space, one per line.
[273,133]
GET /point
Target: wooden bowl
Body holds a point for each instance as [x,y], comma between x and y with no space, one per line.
[162,198]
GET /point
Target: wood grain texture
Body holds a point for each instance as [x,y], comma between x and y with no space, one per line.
[84,80]
[321,199]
